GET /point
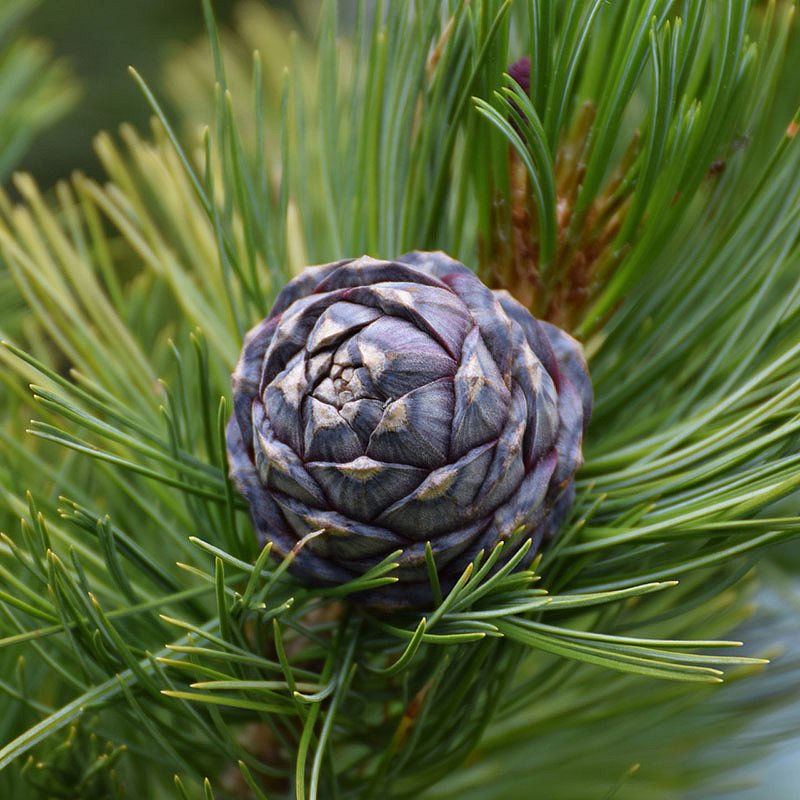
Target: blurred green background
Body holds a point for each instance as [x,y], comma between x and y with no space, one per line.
[99,40]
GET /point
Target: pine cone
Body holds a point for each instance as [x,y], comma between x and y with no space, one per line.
[385,404]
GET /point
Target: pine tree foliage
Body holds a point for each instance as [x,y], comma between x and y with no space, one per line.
[639,195]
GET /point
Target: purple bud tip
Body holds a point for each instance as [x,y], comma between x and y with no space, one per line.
[520,71]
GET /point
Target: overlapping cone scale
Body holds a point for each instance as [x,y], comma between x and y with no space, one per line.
[386,404]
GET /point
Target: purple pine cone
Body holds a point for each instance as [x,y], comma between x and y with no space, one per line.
[520,71]
[385,404]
